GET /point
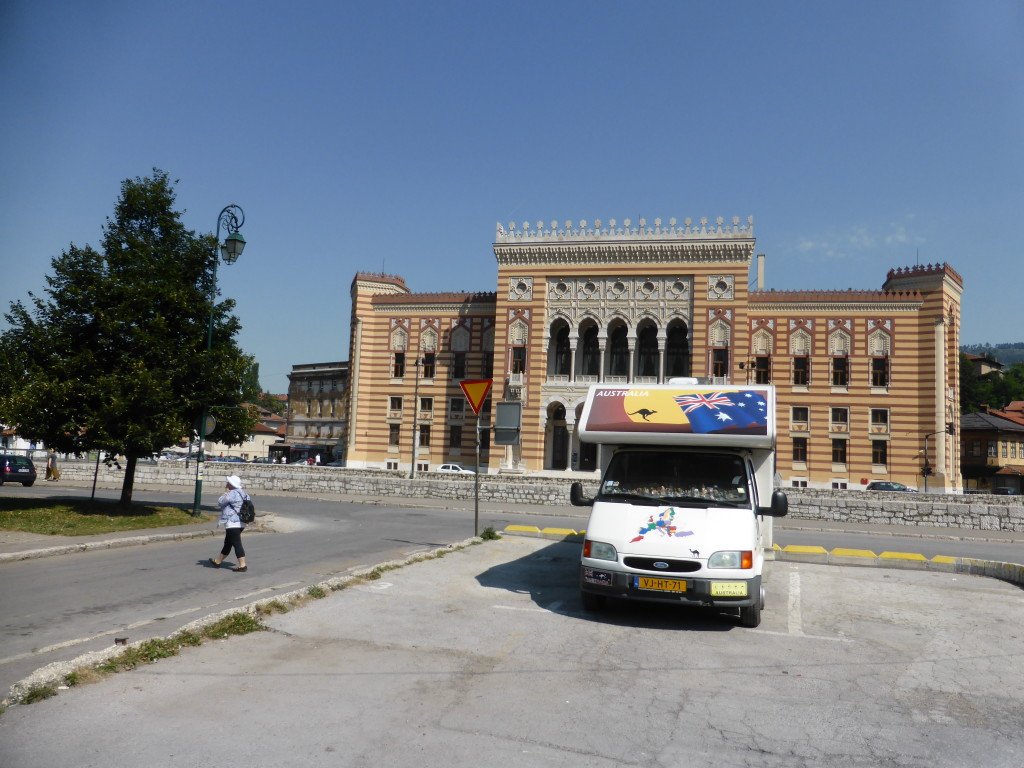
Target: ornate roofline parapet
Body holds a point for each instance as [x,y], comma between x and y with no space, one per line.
[924,270]
[623,252]
[613,232]
[835,301]
[379,282]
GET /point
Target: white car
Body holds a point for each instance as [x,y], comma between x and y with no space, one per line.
[455,469]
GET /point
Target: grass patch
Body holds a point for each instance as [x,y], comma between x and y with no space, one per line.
[316,592]
[39,692]
[83,517]
[489,534]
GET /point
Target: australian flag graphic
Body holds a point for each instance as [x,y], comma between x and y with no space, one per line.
[709,412]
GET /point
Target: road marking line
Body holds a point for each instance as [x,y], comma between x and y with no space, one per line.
[795,619]
[801,635]
[253,594]
[517,608]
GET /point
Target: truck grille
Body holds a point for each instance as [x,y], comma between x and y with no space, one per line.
[674,566]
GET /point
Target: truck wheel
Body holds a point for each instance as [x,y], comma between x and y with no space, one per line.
[592,602]
[750,616]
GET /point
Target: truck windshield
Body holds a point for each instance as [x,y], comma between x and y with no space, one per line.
[705,479]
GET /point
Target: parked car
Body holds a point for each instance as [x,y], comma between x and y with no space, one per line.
[455,469]
[1004,491]
[229,459]
[17,469]
[263,460]
[890,485]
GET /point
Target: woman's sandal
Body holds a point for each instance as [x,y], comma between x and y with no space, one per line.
[241,569]
[214,563]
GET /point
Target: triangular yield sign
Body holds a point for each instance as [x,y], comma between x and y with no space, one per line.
[476,391]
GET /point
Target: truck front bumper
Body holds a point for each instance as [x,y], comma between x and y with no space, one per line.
[725,591]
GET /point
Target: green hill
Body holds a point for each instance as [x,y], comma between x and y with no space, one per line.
[1007,354]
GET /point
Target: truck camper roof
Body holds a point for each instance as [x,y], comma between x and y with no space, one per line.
[733,416]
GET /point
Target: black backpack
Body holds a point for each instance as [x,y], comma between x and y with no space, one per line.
[248,511]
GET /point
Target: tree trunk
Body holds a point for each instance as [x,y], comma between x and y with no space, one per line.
[129,481]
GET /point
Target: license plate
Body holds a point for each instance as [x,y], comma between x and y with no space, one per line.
[23,469]
[659,585]
[728,589]
[597,577]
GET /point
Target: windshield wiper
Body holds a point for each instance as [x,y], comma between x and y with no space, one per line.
[706,501]
[640,497]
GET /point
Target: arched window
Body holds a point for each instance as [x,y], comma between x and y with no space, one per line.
[677,350]
[399,341]
[879,347]
[800,349]
[590,352]
[839,351]
[618,351]
[647,350]
[487,353]
[517,334]
[459,341]
[559,351]
[718,340]
[762,345]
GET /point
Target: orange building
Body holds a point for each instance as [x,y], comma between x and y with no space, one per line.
[867,381]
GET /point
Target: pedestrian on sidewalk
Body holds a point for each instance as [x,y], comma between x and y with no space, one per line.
[230,504]
[52,470]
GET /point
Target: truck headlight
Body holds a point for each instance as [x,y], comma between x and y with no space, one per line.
[742,560]
[599,550]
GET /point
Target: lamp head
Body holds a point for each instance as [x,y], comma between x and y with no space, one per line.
[232,248]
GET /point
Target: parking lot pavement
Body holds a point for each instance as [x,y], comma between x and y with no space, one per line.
[485,656]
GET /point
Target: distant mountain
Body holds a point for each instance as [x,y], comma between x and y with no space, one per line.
[1007,354]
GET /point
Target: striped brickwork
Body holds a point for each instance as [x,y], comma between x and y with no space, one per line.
[697,276]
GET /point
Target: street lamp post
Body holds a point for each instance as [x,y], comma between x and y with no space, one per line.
[231,218]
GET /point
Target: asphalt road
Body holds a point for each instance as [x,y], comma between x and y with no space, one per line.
[485,657]
[57,608]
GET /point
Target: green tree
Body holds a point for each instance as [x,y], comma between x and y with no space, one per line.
[995,389]
[113,357]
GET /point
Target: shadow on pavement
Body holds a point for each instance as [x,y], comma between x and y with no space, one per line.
[550,576]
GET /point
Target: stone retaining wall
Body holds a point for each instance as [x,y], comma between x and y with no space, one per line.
[982,512]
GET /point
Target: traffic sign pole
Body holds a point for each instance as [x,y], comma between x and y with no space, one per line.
[476,391]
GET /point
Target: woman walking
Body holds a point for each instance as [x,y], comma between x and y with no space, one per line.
[230,505]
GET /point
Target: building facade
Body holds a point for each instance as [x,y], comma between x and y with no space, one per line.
[867,381]
[317,402]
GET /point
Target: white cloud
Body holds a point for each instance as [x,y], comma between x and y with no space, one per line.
[861,239]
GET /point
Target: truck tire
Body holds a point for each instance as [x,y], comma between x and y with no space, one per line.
[750,616]
[592,602]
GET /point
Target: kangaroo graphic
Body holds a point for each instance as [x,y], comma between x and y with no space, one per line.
[642,412]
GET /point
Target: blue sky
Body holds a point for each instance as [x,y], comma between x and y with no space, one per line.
[385,136]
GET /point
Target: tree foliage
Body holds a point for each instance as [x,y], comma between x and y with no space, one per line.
[113,356]
[995,389]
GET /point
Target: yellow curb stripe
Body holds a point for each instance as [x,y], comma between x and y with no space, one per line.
[902,556]
[559,532]
[944,559]
[522,529]
[801,549]
[841,552]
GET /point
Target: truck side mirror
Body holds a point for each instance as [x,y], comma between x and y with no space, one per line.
[576,496]
[779,507]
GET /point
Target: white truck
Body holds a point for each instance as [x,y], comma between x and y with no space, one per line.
[687,475]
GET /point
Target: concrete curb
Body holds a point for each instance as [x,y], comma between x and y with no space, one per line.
[55,673]
[87,546]
[1012,573]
